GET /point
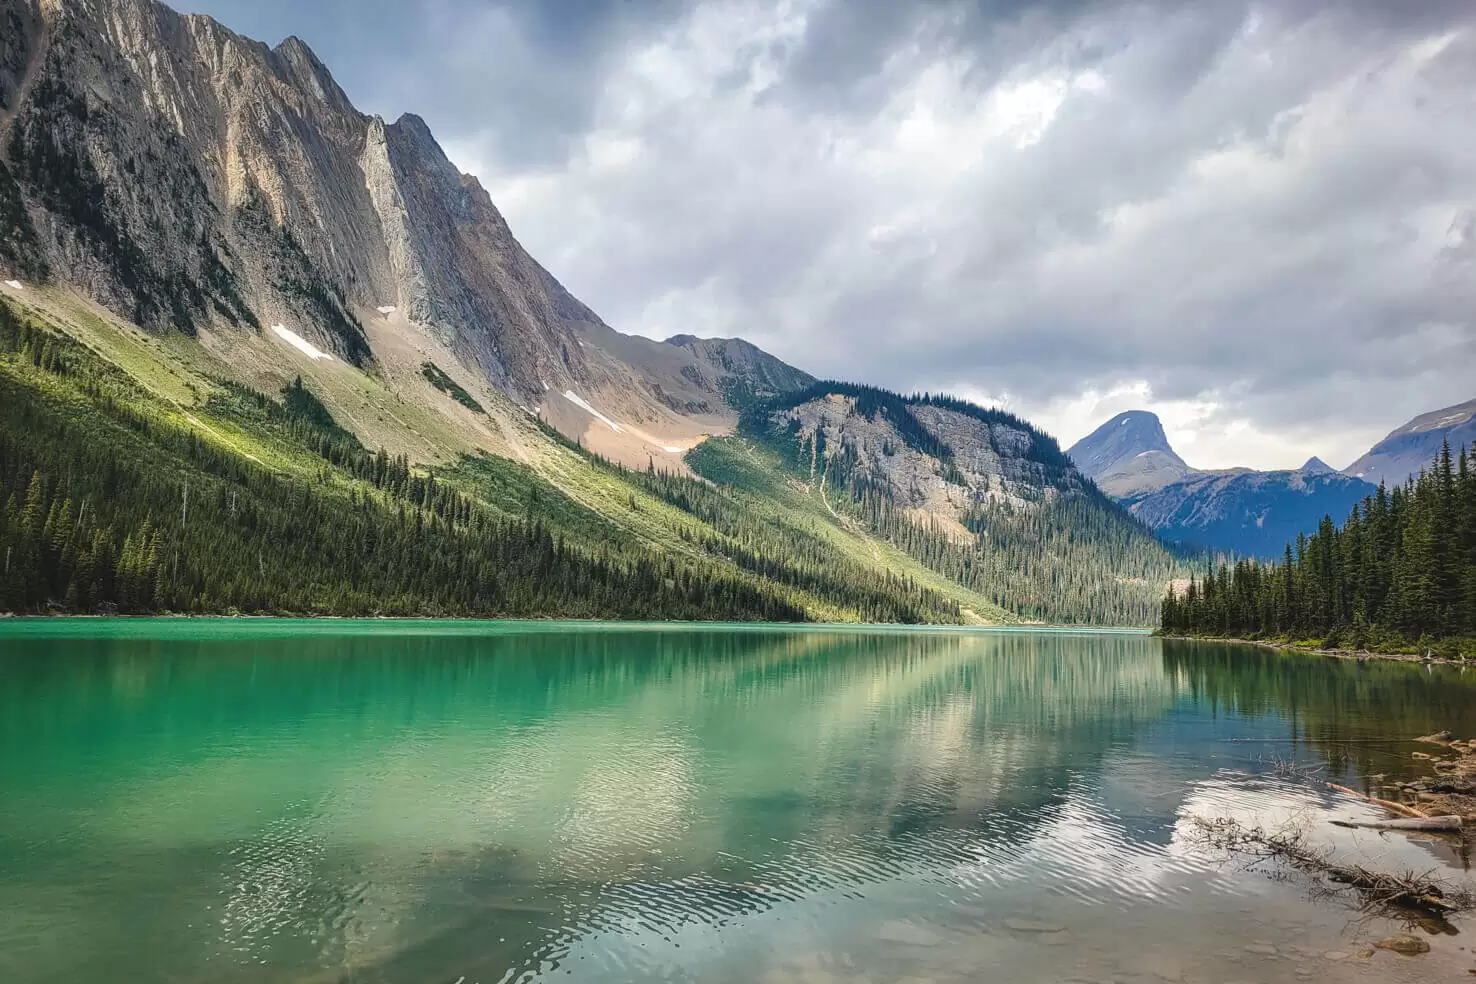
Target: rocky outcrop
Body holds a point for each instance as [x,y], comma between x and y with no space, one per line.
[939,458]
[743,373]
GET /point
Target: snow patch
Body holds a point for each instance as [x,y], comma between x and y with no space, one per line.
[546,387]
[579,402]
[15,285]
[671,450]
[1125,422]
[388,310]
[304,346]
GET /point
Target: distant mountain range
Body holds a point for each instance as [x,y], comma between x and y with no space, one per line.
[1240,510]
[1247,511]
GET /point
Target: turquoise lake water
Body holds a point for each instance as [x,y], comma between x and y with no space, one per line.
[281,801]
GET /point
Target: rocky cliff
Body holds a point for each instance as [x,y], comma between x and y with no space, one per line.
[193,180]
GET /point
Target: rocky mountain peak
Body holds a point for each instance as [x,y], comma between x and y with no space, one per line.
[1129,454]
[1316,466]
[1123,437]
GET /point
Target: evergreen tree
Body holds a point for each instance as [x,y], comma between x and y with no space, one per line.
[1400,573]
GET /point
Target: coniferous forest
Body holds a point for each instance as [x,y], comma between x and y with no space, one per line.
[1399,575]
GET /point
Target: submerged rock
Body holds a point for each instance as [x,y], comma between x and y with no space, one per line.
[1033,926]
[1407,945]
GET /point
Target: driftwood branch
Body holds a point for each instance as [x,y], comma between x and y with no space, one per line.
[1399,808]
[1439,825]
[1377,891]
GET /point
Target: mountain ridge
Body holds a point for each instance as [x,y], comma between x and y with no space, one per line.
[307,323]
[1235,509]
[1408,449]
[191,179]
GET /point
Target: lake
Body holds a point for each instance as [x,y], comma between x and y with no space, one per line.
[261,801]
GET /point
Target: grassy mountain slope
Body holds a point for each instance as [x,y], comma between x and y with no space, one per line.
[134,478]
[353,491]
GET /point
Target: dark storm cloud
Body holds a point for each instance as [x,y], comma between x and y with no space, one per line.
[1254,215]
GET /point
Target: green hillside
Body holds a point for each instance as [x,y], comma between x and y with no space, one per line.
[1066,553]
[135,477]
[116,498]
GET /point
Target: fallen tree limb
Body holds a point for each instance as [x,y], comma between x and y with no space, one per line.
[1376,890]
[1399,808]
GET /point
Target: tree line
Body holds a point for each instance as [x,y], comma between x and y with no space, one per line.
[1399,574]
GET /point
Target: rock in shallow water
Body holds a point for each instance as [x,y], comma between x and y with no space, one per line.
[1033,926]
[1407,945]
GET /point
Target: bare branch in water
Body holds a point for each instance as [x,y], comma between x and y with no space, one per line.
[1378,892]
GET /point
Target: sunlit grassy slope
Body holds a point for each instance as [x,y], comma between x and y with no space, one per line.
[750,531]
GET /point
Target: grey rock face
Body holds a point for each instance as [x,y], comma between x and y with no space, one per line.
[742,372]
[1412,448]
[187,177]
[1129,455]
[991,461]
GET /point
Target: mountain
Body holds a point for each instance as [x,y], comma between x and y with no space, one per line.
[978,495]
[192,180]
[1129,455]
[1252,513]
[1239,510]
[262,353]
[1410,449]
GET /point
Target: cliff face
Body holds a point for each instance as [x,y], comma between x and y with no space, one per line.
[189,178]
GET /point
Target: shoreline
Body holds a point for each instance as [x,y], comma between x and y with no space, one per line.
[1358,655]
[58,618]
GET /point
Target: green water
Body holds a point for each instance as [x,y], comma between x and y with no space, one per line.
[439,802]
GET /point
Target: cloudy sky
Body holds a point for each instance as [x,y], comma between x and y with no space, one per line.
[1258,220]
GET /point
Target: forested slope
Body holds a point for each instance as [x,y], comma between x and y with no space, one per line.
[1400,574]
[977,495]
[115,499]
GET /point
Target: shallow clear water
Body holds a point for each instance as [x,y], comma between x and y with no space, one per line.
[329,801]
